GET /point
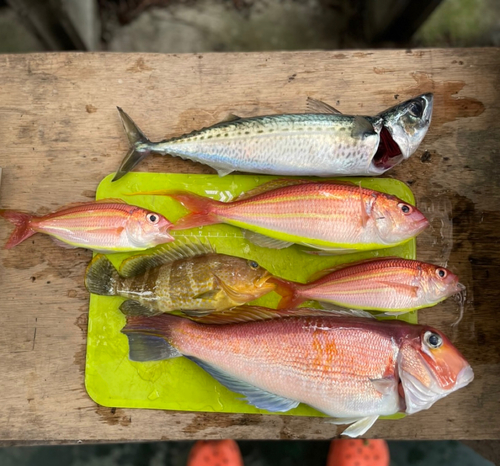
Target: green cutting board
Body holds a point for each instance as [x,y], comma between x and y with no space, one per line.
[113,380]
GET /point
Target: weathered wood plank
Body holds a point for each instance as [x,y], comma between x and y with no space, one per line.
[61,135]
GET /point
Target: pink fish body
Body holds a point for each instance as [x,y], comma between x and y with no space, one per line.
[323,215]
[104,226]
[354,369]
[386,284]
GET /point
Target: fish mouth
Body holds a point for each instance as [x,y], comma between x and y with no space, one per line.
[263,282]
[388,152]
[415,396]
[397,142]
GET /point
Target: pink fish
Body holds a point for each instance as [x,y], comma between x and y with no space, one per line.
[352,368]
[384,284]
[332,216]
[110,225]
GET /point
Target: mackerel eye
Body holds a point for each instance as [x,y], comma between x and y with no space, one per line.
[153,218]
[433,340]
[253,265]
[406,208]
[441,273]
[416,109]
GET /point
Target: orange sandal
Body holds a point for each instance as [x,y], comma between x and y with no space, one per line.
[358,452]
[215,453]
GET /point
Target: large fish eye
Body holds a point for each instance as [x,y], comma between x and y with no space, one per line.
[405,208]
[253,265]
[441,273]
[416,108]
[153,218]
[433,340]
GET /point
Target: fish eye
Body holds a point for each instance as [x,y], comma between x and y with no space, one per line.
[441,273]
[433,340]
[405,208]
[253,265]
[416,109]
[153,218]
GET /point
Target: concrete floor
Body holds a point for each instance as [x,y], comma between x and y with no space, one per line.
[284,453]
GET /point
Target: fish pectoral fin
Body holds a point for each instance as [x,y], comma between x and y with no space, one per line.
[257,397]
[234,295]
[132,308]
[360,426]
[208,294]
[265,241]
[144,347]
[62,244]
[180,249]
[413,290]
[362,128]
[318,106]
[385,385]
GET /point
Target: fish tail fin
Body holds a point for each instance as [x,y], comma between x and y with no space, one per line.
[289,291]
[148,338]
[136,138]
[23,228]
[101,277]
[202,210]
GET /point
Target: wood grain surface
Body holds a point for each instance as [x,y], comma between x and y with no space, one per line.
[60,135]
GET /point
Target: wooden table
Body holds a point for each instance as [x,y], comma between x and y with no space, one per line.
[60,135]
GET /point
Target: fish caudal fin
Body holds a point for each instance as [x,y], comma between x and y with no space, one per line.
[23,227]
[148,338]
[202,210]
[101,277]
[289,291]
[136,138]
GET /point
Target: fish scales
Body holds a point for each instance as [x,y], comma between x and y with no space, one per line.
[322,143]
[329,206]
[261,142]
[379,284]
[312,360]
[353,368]
[198,283]
[109,225]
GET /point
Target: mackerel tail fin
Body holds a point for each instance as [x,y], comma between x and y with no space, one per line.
[101,277]
[148,338]
[136,138]
[23,229]
[289,292]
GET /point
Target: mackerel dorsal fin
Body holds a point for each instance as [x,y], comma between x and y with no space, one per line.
[179,249]
[318,106]
[240,314]
[273,184]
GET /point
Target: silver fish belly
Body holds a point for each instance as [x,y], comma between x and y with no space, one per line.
[303,144]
